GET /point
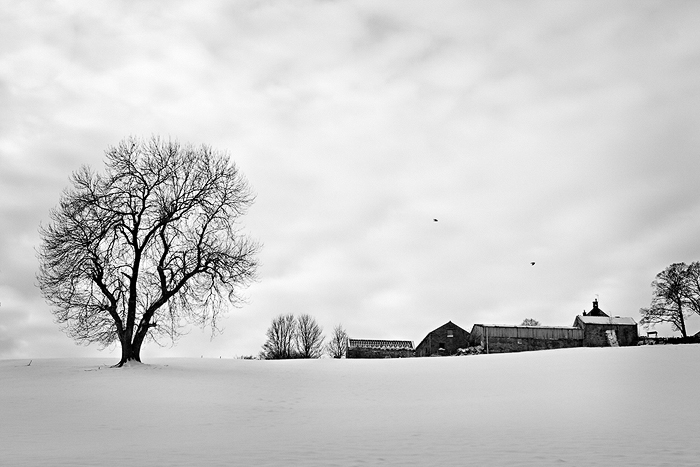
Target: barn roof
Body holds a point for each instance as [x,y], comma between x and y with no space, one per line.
[606,320]
[522,326]
[448,325]
[379,344]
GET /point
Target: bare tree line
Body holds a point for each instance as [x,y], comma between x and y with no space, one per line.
[301,337]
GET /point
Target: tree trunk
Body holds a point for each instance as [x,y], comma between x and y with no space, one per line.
[682,326]
[132,341]
[681,319]
[131,351]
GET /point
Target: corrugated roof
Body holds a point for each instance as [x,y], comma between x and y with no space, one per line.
[380,344]
[606,320]
[520,326]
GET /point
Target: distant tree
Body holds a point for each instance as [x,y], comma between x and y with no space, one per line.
[530,322]
[280,338]
[309,337]
[670,301]
[151,244]
[337,346]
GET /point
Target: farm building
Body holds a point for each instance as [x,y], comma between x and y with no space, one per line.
[499,338]
[603,331]
[444,340]
[368,348]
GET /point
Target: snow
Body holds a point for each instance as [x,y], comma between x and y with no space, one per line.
[634,406]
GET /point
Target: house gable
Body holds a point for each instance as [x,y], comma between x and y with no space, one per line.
[445,340]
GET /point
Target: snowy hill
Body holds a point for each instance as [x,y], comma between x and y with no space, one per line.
[583,407]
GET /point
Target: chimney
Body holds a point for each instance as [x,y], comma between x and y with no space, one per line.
[595,304]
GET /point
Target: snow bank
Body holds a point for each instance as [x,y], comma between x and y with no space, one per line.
[585,406]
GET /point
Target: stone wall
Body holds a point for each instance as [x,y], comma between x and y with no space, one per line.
[360,352]
[594,335]
[509,344]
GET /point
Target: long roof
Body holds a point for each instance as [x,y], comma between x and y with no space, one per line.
[606,320]
[521,326]
[380,344]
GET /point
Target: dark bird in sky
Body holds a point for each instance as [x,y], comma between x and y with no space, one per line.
[532,263]
[434,220]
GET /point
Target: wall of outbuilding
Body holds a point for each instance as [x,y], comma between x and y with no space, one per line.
[363,352]
[594,335]
[431,344]
[508,344]
[500,339]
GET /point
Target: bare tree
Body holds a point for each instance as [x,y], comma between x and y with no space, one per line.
[692,286]
[280,338]
[309,337]
[147,246]
[530,322]
[337,346]
[670,302]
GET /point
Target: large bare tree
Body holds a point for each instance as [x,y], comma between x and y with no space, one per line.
[150,245]
[670,301]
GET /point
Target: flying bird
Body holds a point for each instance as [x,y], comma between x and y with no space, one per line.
[434,220]
[532,263]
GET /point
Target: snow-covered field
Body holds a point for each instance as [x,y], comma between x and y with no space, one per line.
[583,407]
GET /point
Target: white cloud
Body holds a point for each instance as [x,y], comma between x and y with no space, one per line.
[558,133]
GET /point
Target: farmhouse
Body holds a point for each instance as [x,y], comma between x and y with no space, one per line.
[368,348]
[500,338]
[592,329]
[601,330]
[445,340]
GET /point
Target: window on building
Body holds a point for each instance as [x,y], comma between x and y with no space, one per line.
[450,333]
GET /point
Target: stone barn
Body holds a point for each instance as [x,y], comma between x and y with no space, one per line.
[369,348]
[500,338]
[445,340]
[602,330]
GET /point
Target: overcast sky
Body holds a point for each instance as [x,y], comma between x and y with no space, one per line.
[560,132]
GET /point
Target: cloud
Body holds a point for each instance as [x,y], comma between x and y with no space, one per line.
[557,133]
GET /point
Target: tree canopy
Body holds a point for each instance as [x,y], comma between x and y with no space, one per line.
[337,346]
[148,246]
[676,295]
[280,338]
